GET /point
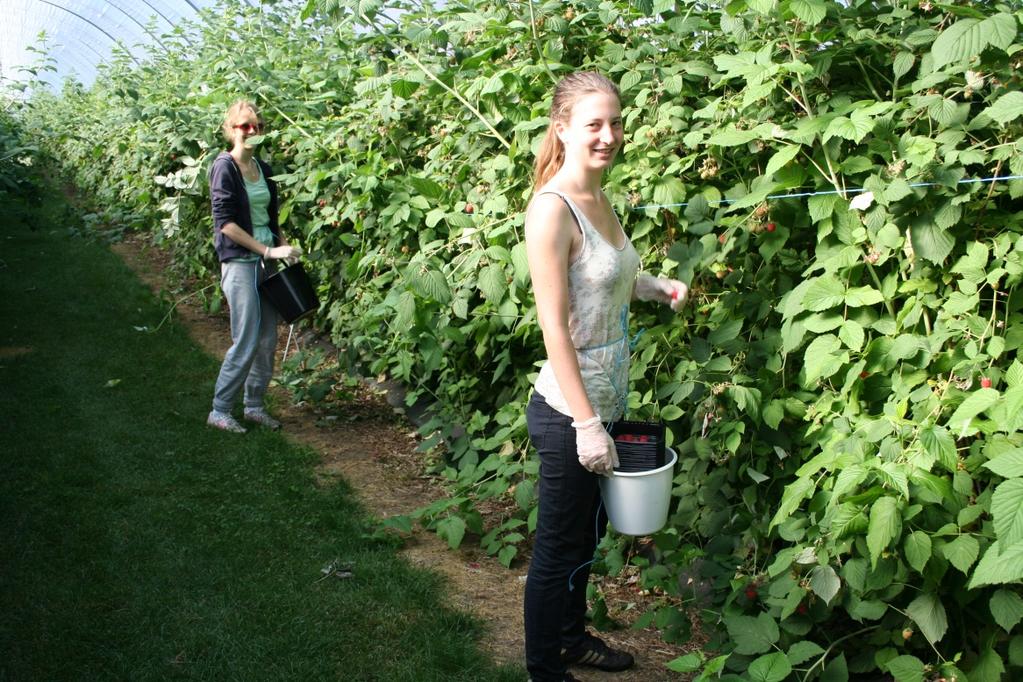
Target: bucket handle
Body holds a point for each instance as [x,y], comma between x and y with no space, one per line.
[291,327]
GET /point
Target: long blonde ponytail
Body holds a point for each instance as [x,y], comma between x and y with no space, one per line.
[571,88]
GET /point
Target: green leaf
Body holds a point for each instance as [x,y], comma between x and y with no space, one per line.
[918,550]
[902,63]
[854,129]
[862,296]
[998,567]
[975,403]
[493,283]
[823,293]
[800,652]
[820,323]
[969,37]
[524,494]
[943,110]
[685,664]
[731,137]
[770,668]
[670,413]
[406,311]
[989,667]
[752,635]
[781,158]
[837,670]
[1006,414]
[452,529]
[896,189]
[774,413]
[506,554]
[1007,510]
[521,263]
[629,80]
[812,12]
[1014,375]
[905,346]
[848,519]
[426,187]
[429,283]
[1016,651]
[820,360]
[1007,609]
[761,6]
[674,85]
[929,615]
[940,445]
[867,609]
[821,206]
[825,583]
[713,669]
[1008,464]
[404,88]
[669,190]
[885,526]
[725,332]
[930,241]
[962,552]
[852,335]
[891,474]
[906,669]
[967,515]
[1002,30]
[1007,107]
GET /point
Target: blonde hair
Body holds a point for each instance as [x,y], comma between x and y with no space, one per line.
[227,128]
[568,91]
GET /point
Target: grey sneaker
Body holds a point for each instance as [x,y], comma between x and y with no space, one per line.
[224,422]
[258,415]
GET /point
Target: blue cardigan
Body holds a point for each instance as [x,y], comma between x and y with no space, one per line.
[231,204]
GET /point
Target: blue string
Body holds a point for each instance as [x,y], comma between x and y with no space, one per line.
[856,190]
[596,539]
[259,301]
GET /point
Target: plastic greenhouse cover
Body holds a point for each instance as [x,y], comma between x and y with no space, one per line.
[80,34]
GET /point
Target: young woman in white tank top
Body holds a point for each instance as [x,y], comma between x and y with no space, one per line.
[584,272]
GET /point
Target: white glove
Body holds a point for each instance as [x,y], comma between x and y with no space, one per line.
[595,447]
[288,253]
[663,290]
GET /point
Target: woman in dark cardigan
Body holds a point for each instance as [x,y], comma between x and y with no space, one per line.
[246,232]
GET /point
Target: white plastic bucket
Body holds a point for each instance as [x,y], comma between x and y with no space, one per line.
[637,503]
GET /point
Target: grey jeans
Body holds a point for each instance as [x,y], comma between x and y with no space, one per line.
[250,359]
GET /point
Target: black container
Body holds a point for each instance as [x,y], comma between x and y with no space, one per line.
[640,445]
[291,293]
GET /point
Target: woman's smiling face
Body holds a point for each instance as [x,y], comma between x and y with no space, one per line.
[246,125]
[593,134]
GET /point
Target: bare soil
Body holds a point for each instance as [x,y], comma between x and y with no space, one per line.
[372,447]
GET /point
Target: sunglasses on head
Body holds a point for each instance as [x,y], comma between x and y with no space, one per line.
[249,127]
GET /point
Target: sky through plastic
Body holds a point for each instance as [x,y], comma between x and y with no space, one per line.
[80,34]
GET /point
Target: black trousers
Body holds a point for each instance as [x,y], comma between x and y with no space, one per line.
[569,524]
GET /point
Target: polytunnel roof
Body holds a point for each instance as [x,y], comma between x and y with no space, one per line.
[80,34]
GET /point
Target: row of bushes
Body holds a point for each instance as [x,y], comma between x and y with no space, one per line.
[844,388]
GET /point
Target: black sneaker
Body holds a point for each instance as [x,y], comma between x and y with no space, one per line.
[567,678]
[596,654]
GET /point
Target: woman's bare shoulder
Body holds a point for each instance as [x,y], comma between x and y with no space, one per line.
[547,211]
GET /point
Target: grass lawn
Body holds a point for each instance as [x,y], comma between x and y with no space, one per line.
[139,544]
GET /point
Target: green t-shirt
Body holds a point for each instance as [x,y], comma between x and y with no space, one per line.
[259,211]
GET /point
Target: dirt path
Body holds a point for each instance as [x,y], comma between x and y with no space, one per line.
[374,451]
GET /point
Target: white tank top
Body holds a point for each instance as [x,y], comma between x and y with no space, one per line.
[600,282]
